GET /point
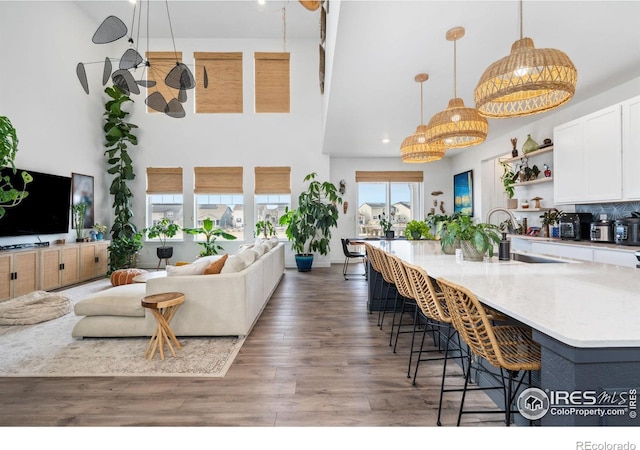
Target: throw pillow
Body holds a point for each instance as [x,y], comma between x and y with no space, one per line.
[182,263]
[247,257]
[195,268]
[259,249]
[233,264]
[216,266]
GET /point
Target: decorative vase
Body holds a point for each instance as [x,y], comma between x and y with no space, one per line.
[451,249]
[99,236]
[470,252]
[529,145]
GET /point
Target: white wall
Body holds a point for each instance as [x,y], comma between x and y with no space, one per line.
[58,125]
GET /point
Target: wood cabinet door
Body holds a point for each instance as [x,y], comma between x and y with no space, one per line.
[102,263]
[87,261]
[49,269]
[70,259]
[5,277]
[25,266]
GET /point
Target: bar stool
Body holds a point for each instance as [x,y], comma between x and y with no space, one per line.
[507,347]
[389,281]
[374,259]
[406,295]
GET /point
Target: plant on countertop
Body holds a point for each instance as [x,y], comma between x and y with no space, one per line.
[162,230]
[118,136]
[265,228]
[210,233]
[385,224]
[308,226]
[416,229]
[9,195]
[79,211]
[481,236]
[437,222]
[549,219]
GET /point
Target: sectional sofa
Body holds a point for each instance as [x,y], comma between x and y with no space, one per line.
[224,304]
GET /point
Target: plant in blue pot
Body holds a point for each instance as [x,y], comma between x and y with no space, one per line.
[100,231]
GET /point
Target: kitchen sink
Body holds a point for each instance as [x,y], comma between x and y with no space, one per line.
[534,259]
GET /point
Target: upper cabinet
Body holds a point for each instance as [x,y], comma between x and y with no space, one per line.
[589,153]
[631,149]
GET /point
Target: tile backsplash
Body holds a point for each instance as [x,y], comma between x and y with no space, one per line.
[612,210]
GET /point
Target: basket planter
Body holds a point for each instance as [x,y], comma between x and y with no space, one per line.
[164,252]
[470,252]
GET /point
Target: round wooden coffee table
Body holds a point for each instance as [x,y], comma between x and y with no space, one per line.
[163,306]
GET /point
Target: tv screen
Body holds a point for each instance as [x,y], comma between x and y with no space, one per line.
[46,210]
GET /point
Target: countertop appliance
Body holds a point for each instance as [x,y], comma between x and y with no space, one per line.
[627,231]
[575,226]
[602,231]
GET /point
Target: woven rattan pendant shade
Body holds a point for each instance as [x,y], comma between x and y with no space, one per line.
[416,148]
[457,126]
[528,81]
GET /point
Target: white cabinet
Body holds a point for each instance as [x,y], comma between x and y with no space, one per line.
[588,158]
[631,149]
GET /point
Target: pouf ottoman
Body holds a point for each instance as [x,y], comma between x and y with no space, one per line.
[125,276]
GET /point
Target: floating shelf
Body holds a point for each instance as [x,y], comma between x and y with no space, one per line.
[529,155]
[536,181]
[529,209]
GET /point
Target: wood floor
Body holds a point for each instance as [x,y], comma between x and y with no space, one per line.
[314,358]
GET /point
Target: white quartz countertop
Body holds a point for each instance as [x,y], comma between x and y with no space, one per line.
[582,304]
[583,243]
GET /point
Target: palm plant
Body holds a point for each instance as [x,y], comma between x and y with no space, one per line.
[210,233]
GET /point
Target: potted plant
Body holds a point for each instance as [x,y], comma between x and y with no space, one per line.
[100,231]
[123,252]
[162,230]
[265,228]
[9,196]
[387,227]
[210,233]
[79,211]
[308,227]
[508,178]
[415,229]
[550,218]
[475,239]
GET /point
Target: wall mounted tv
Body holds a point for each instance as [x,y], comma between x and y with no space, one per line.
[46,210]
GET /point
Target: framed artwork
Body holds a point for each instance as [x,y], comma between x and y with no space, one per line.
[463,193]
[82,191]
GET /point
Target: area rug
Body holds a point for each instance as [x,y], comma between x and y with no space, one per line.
[48,350]
[35,307]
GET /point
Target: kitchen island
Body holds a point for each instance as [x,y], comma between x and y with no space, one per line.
[585,315]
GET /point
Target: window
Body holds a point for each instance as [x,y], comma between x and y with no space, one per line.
[164,196]
[219,197]
[160,64]
[223,93]
[394,194]
[272,195]
[272,82]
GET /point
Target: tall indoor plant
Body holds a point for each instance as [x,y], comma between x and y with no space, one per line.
[308,226]
[9,195]
[118,136]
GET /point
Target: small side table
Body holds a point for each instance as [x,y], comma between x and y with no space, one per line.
[163,306]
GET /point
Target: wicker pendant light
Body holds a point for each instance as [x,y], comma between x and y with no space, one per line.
[457,126]
[528,81]
[415,148]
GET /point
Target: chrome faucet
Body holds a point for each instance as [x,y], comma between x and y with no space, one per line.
[512,218]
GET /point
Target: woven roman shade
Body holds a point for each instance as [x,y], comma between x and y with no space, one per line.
[273,180]
[272,80]
[217,180]
[161,64]
[164,180]
[223,93]
[409,176]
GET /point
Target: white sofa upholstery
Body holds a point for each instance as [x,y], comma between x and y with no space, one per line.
[226,304]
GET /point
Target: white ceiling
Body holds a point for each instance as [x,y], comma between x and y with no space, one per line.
[382,45]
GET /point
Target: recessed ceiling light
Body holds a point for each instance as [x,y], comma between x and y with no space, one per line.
[262,2]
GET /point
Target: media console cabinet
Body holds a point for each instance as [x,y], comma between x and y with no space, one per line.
[29,269]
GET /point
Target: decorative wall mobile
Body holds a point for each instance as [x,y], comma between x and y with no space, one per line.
[179,77]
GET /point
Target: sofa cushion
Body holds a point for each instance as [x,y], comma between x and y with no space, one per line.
[233,264]
[216,266]
[122,300]
[259,249]
[248,257]
[124,276]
